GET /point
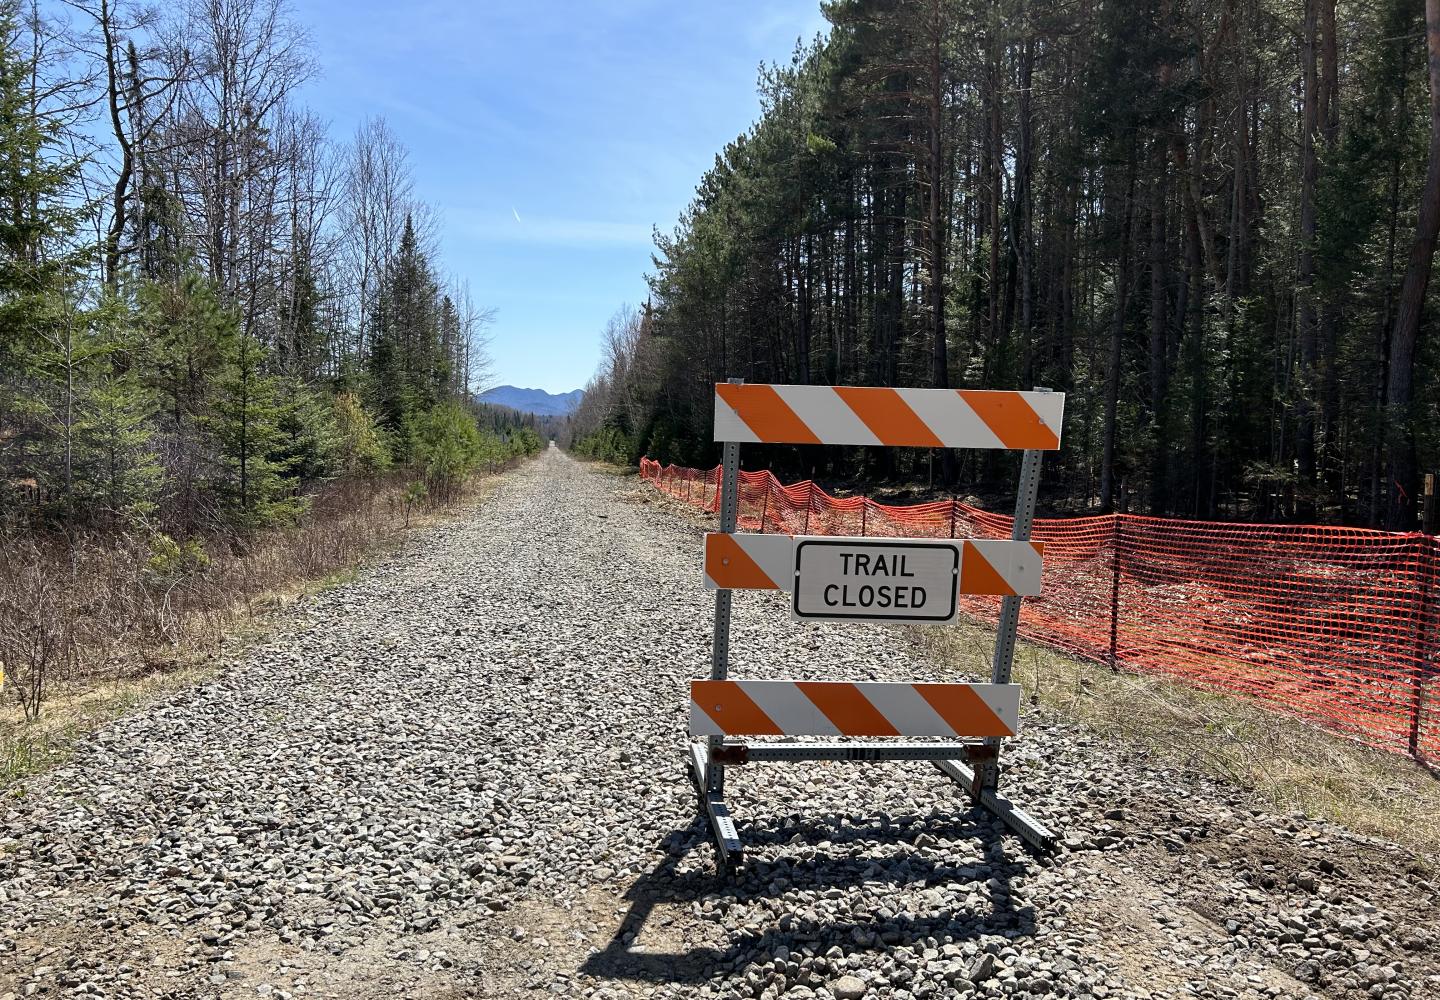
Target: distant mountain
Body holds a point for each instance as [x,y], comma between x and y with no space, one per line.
[536,401]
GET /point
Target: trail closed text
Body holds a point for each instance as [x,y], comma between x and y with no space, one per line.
[870,580]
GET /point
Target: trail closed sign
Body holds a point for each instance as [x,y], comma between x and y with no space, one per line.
[876,580]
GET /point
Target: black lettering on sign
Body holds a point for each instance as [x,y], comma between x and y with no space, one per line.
[894,581]
[865,564]
[866,595]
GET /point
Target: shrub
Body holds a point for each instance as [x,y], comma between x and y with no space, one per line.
[608,444]
[360,448]
[448,447]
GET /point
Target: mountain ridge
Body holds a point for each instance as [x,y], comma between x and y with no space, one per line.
[536,401]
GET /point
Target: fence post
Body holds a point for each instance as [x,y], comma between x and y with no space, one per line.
[765,504]
[809,502]
[1115,595]
[864,504]
[954,506]
[1428,522]
[1429,556]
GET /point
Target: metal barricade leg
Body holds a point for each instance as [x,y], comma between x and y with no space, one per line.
[981,777]
[709,774]
[1004,659]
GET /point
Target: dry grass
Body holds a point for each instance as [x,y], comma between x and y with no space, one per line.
[33,746]
[116,634]
[1294,766]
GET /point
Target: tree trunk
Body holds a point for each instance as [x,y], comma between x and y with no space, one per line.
[1117,339]
[1306,310]
[120,195]
[1159,325]
[1401,465]
[1330,460]
[995,155]
[940,369]
[1024,198]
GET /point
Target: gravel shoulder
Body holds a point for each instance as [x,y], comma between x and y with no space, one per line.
[461,776]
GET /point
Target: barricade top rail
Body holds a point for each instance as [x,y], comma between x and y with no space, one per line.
[856,415]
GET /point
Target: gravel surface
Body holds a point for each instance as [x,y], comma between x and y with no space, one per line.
[461,776]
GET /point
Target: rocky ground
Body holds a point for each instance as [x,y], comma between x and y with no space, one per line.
[461,776]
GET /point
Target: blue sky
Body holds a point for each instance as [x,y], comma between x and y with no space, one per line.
[551,135]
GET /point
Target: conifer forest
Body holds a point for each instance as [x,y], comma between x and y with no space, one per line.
[1210,223]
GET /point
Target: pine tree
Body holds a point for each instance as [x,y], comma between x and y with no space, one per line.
[186,329]
[309,448]
[117,466]
[362,450]
[246,420]
[38,222]
[408,370]
[45,333]
[449,446]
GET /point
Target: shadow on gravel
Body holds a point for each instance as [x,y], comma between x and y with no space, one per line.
[667,884]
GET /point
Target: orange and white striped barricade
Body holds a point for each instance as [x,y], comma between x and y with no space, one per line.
[957,727]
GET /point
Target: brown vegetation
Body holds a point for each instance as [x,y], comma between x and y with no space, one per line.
[89,622]
[1294,766]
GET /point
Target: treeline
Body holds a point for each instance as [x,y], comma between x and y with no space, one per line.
[230,358]
[208,306]
[622,415]
[1210,223]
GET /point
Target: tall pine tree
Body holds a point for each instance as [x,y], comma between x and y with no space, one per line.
[409,372]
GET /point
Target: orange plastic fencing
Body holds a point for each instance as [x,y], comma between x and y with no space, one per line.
[1338,626]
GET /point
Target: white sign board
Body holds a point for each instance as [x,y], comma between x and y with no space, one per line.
[876,580]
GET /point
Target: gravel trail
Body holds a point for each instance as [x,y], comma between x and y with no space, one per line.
[461,776]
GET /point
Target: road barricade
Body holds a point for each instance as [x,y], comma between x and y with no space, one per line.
[859,579]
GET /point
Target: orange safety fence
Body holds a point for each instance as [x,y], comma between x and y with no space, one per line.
[1338,626]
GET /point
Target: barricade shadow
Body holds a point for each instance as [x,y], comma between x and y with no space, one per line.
[666,883]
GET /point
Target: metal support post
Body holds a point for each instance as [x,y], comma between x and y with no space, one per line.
[1427,513]
[728,848]
[720,652]
[1010,606]
[1115,544]
[1027,827]
[1423,666]
[708,772]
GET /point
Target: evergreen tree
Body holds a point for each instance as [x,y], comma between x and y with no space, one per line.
[448,445]
[46,337]
[117,465]
[409,372]
[246,420]
[187,330]
[361,448]
[39,223]
[309,448]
